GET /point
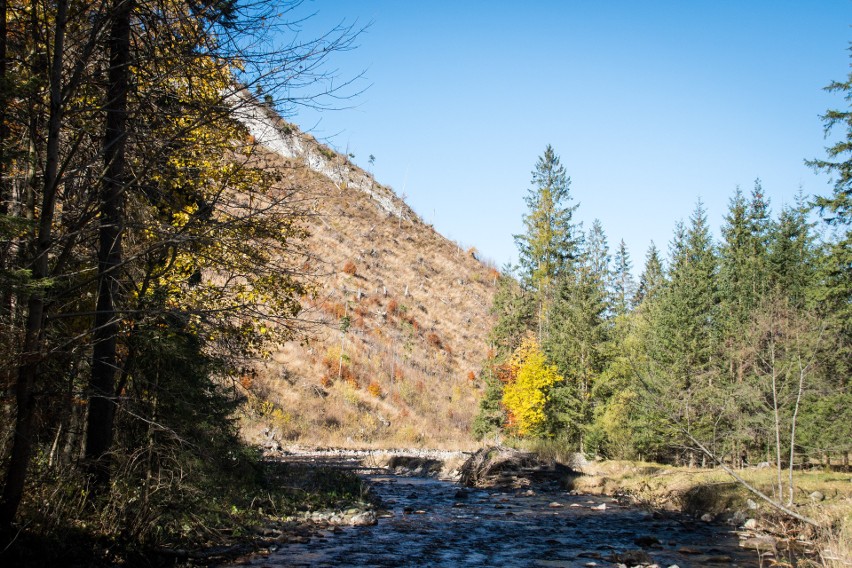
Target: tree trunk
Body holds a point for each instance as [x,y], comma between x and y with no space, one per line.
[99,432]
[28,372]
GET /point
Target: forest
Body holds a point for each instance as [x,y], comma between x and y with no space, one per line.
[734,350]
[148,250]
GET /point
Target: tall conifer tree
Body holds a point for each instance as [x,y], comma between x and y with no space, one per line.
[623,285]
[652,277]
[579,332]
[550,243]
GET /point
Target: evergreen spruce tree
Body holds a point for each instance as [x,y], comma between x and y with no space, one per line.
[682,329]
[836,210]
[652,278]
[743,284]
[792,255]
[623,285]
[550,244]
[835,270]
[514,308]
[579,331]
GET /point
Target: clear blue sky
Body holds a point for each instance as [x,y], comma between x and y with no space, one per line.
[651,105]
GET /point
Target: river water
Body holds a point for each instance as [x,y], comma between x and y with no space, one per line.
[431,522]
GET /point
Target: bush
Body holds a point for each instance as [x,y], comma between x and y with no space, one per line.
[433,340]
[374,389]
[350,268]
[393,307]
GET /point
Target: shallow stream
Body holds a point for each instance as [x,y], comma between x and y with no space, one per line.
[431,522]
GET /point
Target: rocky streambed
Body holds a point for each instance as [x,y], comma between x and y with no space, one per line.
[522,515]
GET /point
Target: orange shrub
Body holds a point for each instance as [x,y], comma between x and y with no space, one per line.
[433,340]
[374,389]
[334,308]
[398,374]
[471,376]
[393,307]
[330,362]
[246,381]
[326,381]
[349,268]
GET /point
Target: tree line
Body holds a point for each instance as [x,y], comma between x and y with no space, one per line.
[147,247]
[736,348]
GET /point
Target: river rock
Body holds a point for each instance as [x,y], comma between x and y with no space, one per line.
[817,496]
[707,518]
[364,519]
[750,524]
[751,504]
[631,557]
[688,550]
[646,541]
[601,507]
[737,519]
[762,543]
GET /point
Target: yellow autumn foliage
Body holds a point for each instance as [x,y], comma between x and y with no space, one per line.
[525,396]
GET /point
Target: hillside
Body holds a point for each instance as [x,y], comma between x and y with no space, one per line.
[416,303]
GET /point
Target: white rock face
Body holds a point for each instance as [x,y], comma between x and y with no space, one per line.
[274,134]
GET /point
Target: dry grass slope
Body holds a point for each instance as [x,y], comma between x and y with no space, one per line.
[417,309]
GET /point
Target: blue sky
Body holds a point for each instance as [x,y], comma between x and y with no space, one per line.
[651,105]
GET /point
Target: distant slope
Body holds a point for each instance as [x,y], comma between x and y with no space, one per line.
[416,303]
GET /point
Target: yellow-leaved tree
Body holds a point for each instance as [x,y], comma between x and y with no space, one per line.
[527,391]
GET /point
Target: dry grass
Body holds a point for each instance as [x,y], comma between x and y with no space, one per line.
[418,310]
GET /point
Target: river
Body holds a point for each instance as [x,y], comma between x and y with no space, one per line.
[432,522]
